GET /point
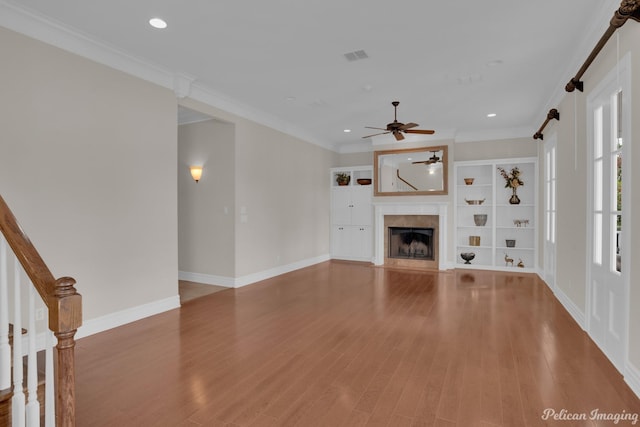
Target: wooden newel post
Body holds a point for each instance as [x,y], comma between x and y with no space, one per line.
[65,320]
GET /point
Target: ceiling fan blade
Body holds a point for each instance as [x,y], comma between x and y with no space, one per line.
[398,135]
[426,162]
[376,134]
[408,126]
[370,127]
[421,131]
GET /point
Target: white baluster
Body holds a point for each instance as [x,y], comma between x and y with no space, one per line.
[49,395]
[5,349]
[33,406]
[17,401]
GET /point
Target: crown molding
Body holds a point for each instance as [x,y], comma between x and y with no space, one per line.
[495,134]
[36,26]
[44,29]
[592,35]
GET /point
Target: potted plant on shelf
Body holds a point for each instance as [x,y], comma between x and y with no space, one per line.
[343,178]
[512,181]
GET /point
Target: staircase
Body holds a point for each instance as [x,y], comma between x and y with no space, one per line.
[51,311]
[7,394]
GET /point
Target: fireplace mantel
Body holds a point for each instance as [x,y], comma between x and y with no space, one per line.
[409,208]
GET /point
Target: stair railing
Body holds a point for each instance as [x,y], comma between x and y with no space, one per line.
[64,314]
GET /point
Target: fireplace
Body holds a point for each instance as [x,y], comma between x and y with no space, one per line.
[416,216]
[411,243]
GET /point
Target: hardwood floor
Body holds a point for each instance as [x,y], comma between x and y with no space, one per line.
[191,290]
[347,344]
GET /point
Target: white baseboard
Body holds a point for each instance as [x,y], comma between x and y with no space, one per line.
[237,282]
[276,271]
[571,307]
[632,377]
[119,318]
[207,279]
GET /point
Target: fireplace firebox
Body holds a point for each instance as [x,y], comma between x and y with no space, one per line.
[411,243]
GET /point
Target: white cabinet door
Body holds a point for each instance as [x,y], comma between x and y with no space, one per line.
[341,206]
[361,206]
[341,241]
[353,242]
[362,242]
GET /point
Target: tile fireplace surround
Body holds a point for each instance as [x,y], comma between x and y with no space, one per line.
[382,209]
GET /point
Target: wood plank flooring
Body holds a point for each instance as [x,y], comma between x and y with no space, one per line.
[348,344]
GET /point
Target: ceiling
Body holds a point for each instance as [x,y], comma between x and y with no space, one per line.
[282,62]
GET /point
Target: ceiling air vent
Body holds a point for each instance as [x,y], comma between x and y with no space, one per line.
[356,55]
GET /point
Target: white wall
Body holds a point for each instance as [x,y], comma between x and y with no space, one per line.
[88,165]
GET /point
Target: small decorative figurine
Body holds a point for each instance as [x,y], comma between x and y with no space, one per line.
[508,260]
[520,263]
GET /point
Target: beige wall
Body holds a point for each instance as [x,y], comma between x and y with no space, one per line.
[572,180]
[206,239]
[496,149]
[283,190]
[88,164]
[281,196]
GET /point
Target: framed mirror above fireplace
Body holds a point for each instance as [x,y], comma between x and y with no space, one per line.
[414,171]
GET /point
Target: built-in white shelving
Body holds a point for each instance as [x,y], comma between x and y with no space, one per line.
[505,221]
[352,214]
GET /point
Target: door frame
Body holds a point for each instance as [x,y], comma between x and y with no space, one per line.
[549,273]
[619,78]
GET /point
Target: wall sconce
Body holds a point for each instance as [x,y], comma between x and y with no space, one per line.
[196,172]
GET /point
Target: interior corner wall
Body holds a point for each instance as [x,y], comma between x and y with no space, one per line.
[282,199]
[572,185]
[281,211]
[88,165]
[206,239]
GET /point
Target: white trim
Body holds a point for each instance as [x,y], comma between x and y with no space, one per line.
[41,342]
[570,306]
[410,208]
[207,279]
[119,318]
[618,78]
[276,271]
[588,39]
[632,377]
[238,282]
[549,145]
[34,25]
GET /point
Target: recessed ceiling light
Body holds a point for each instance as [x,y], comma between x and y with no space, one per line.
[347,130]
[158,23]
[290,98]
[491,115]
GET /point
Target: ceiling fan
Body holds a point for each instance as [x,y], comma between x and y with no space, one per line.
[431,160]
[397,128]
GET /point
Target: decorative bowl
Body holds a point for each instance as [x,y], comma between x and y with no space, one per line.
[467,257]
[511,243]
[468,181]
[480,219]
[474,202]
[364,181]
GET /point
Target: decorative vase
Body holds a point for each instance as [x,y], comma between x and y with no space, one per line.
[514,199]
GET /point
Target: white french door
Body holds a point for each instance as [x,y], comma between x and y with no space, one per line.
[608,277]
[550,212]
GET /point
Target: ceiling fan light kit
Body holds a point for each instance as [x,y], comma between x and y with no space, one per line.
[397,128]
